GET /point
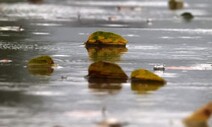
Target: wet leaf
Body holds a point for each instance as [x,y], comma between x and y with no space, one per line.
[200,117]
[106,38]
[187,16]
[41,65]
[142,75]
[175,4]
[41,61]
[103,71]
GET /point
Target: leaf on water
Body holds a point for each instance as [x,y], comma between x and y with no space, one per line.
[187,16]
[144,87]
[41,61]
[142,75]
[41,65]
[175,4]
[106,71]
[106,38]
[200,117]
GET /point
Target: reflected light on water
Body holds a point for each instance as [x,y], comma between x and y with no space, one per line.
[11,28]
[40,33]
[45,93]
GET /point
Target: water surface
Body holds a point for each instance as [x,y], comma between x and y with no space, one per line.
[59,28]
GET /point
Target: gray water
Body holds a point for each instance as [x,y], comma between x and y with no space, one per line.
[63,98]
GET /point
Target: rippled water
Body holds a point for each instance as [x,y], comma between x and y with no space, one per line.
[59,27]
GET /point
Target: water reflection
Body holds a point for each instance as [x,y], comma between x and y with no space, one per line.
[105,83]
[106,53]
[145,87]
[41,70]
[35,1]
[15,98]
[109,86]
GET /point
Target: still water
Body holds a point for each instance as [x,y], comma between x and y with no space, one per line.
[63,98]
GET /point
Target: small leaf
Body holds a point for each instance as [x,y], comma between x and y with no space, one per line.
[187,16]
[41,61]
[106,70]
[142,75]
[41,65]
[175,4]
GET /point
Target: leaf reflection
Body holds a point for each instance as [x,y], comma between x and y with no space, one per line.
[146,86]
[107,53]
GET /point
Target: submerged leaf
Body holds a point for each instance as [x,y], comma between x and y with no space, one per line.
[106,38]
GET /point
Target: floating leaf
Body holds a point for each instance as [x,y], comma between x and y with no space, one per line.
[187,16]
[106,38]
[107,53]
[142,75]
[200,117]
[41,65]
[175,4]
[41,61]
[106,71]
